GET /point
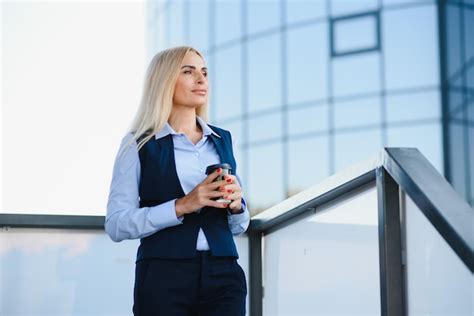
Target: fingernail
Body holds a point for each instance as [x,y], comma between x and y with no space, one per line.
[219,170]
[229,180]
[229,191]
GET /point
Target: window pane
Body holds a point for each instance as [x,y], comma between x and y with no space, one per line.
[264,73]
[392,2]
[307,63]
[471,157]
[65,272]
[354,34]
[349,7]
[227,86]
[308,119]
[198,24]
[228,20]
[456,100]
[300,10]
[175,21]
[357,113]
[266,176]
[356,74]
[356,146]
[453,39]
[413,106]
[426,137]
[265,127]
[469,33]
[410,43]
[262,15]
[457,156]
[308,162]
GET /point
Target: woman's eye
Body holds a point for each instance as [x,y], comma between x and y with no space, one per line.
[187,71]
[205,74]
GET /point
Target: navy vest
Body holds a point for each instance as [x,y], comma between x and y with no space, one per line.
[159,183]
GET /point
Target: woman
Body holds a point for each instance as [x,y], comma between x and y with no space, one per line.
[186,262]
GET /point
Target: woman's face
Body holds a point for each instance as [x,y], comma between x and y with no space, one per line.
[191,89]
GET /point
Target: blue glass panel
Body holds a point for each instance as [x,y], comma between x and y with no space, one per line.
[426,137]
[355,146]
[199,24]
[262,15]
[264,73]
[398,2]
[456,99]
[227,85]
[457,156]
[308,119]
[410,43]
[471,155]
[357,113]
[300,10]
[307,63]
[308,162]
[228,20]
[355,34]
[65,272]
[413,106]
[175,22]
[265,176]
[339,7]
[355,74]
[453,40]
[265,127]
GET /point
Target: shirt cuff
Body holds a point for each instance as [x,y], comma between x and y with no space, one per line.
[164,215]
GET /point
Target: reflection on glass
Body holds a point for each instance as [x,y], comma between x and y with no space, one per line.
[227,83]
[65,272]
[356,146]
[265,127]
[300,10]
[410,44]
[307,63]
[308,119]
[358,112]
[227,20]
[453,39]
[198,25]
[457,154]
[308,163]
[352,7]
[415,136]
[438,282]
[175,22]
[264,73]
[266,176]
[413,106]
[313,265]
[354,34]
[262,15]
[365,67]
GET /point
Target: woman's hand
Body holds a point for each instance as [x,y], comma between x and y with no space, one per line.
[233,192]
[201,195]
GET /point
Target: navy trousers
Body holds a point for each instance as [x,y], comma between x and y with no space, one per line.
[201,286]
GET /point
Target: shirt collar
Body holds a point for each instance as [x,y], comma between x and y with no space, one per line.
[167,129]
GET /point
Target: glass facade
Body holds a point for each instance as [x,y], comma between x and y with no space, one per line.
[457,30]
[311,87]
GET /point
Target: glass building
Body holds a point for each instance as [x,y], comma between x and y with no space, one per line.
[311,87]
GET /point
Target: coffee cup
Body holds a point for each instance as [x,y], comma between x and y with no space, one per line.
[226,170]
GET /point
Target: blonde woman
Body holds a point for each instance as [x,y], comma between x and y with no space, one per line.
[186,262]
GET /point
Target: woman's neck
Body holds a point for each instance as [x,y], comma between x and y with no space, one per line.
[184,121]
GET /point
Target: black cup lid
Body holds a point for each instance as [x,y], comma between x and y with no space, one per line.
[211,168]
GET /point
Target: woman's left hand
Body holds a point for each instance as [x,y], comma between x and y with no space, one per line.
[232,191]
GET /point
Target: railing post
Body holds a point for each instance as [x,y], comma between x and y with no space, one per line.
[255,271]
[390,247]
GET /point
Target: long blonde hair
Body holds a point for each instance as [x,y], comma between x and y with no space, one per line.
[157,98]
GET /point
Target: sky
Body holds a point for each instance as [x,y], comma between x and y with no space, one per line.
[71,81]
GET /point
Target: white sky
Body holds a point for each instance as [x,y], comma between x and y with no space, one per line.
[72,74]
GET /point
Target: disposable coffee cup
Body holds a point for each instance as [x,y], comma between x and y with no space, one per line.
[226,170]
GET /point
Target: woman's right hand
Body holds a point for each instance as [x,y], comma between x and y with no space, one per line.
[201,195]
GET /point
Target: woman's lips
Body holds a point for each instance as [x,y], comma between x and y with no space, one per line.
[200,92]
